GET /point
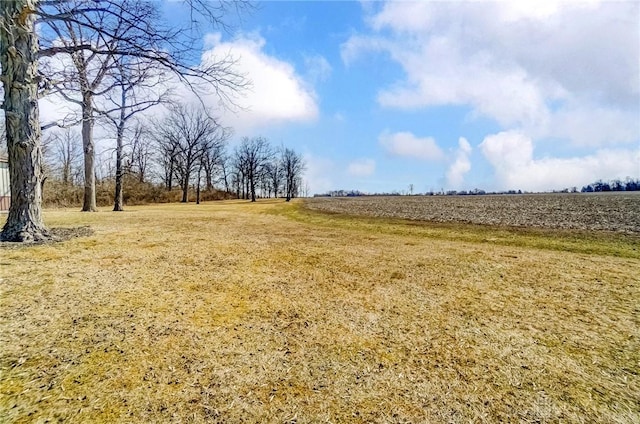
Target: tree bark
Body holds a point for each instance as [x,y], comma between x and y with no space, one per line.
[118,203]
[19,60]
[185,190]
[88,146]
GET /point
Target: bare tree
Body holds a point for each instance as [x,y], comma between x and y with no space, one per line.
[253,155]
[19,58]
[188,134]
[292,166]
[65,150]
[168,149]
[226,172]
[132,93]
[213,157]
[140,153]
[88,36]
[19,61]
[273,173]
[237,176]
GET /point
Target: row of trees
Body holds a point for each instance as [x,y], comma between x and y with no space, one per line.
[110,58]
[186,148]
[629,184]
[192,144]
[257,165]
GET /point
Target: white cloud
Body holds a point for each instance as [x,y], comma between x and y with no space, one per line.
[511,155]
[362,167]
[412,16]
[408,145]
[278,94]
[593,125]
[461,165]
[523,65]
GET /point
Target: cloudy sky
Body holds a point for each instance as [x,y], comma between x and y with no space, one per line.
[442,95]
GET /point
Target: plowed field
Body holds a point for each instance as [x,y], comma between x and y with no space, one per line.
[618,212]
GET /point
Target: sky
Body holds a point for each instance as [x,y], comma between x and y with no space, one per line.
[447,95]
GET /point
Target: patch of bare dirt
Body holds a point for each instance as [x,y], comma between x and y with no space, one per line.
[616,212]
[57,235]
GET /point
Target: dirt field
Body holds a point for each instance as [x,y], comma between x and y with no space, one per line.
[248,313]
[619,212]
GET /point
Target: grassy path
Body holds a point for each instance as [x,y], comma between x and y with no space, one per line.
[233,312]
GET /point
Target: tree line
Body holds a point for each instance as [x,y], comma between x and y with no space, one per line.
[110,58]
[629,184]
[186,150]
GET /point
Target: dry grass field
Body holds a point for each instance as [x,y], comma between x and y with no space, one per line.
[236,312]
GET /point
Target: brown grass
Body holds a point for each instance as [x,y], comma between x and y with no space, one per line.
[237,312]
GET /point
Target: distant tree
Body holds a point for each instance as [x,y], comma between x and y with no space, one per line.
[253,155]
[274,177]
[226,167]
[617,185]
[65,151]
[187,134]
[134,90]
[293,167]
[140,153]
[167,149]
[214,156]
[238,175]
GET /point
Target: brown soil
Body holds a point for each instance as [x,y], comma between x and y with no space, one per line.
[57,235]
[617,212]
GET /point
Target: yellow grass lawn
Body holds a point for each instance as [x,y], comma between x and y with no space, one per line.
[238,312]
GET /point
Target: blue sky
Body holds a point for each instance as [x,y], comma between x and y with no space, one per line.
[441,95]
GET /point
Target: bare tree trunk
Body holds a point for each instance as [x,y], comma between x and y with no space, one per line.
[19,60]
[198,186]
[66,173]
[118,203]
[169,176]
[252,186]
[89,203]
[225,178]
[185,190]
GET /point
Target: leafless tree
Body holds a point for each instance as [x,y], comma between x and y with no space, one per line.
[226,167]
[273,172]
[292,166]
[188,133]
[98,39]
[213,157]
[140,160]
[64,148]
[19,61]
[132,92]
[237,176]
[85,36]
[167,152]
[253,155]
